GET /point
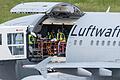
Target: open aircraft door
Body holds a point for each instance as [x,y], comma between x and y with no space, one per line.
[33,7]
[44,7]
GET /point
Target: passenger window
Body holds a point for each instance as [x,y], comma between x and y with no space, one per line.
[103,43]
[75,42]
[108,43]
[91,42]
[0,39]
[80,43]
[97,42]
[114,42]
[119,43]
[12,40]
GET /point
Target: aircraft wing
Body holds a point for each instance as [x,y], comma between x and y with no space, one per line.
[82,68]
[104,67]
[85,65]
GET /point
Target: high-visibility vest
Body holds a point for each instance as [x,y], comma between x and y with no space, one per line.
[19,39]
[48,35]
[51,35]
[61,36]
[31,39]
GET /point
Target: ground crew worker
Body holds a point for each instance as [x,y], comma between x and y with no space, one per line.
[31,41]
[51,35]
[48,35]
[19,38]
[61,36]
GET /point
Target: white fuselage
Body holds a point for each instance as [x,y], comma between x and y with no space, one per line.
[95,38]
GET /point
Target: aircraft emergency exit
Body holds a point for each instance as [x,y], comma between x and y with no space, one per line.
[92,47]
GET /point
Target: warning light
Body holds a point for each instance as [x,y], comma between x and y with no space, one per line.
[19,29]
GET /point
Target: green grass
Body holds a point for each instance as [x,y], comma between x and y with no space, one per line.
[85,5]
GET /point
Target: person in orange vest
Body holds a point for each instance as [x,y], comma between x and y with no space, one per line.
[61,36]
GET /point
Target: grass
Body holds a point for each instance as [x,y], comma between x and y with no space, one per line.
[85,5]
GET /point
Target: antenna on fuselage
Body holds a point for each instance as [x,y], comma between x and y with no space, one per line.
[108,9]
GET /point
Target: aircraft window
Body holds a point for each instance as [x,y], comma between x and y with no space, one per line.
[108,43]
[103,43]
[75,42]
[91,42]
[12,40]
[97,43]
[114,42]
[0,39]
[80,43]
[119,43]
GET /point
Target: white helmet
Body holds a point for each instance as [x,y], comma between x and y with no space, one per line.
[32,33]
